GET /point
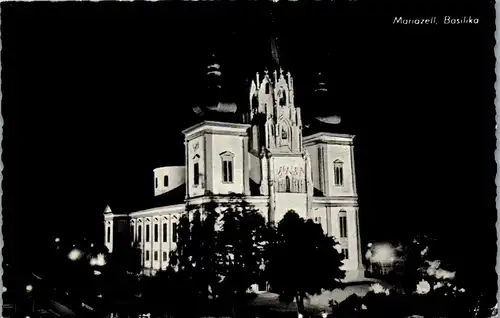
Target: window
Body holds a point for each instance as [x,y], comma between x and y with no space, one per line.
[227,167]
[156,232]
[283,99]
[338,171]
[165,181]
[196,174]
[343,224]
[147,255]
[108,234]
[139,234]
[287,182]
[164,232]
[174,232]
[345,252]
[284,135]
[156,255]
[147,233]
[156,182]
[164,256]
[317,219]
[267,88]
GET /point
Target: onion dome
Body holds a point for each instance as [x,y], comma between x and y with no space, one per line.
[212,102]
[323,108]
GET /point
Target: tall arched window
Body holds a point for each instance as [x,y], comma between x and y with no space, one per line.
[165,232]
[147,232]
[287,182]
[267,87]
[196,170]
[343,223]
[108,234]
[338,173]
[227,166]
[282,98]
[174,232]
[156,233]
[139,233]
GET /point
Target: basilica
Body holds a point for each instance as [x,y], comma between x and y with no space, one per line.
[262,152]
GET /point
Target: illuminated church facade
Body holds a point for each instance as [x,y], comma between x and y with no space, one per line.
[266,158]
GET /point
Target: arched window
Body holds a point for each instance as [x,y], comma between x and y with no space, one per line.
[227,166]
[196,170]
[139,233]
[287,181]
[108,234]
[174,232]
[343,223]
[284,134]
[156,256]
[338,173]
[267,87]
[282,98]
[165,232]
[156,233]
[147,232]
[165,181]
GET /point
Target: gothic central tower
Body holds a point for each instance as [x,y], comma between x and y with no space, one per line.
[279,165]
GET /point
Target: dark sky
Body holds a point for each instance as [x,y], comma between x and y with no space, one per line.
[95,96]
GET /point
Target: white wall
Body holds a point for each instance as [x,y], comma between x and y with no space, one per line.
[290,201]
[220,144]
[343,153]
[176,177]
[192,152]
[165,215]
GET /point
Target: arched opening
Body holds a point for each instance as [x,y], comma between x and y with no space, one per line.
[287,184]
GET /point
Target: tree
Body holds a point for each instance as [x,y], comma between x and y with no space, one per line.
[219,254]
[302,260]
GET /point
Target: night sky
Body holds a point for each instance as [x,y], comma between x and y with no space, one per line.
[95,96]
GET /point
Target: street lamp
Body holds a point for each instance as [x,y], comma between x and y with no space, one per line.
[75,254]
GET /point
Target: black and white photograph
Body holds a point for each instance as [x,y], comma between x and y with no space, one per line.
[267,159]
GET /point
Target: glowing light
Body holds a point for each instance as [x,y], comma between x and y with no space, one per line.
[75,254]
[98,261]
[423,287]
[382,253]
[300,315]
[29,288]
[324,314]
[57,240]
[97,273]
[4,289]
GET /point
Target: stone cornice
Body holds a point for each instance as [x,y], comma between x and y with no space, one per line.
[328,138]
[111,216]
[276,153]
[347,201]
[164,209]
[215,132]
[215,126]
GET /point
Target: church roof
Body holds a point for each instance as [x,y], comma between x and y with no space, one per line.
[175,196]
